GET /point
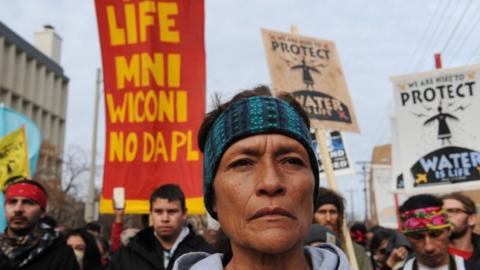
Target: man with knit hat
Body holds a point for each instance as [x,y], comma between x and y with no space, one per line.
[330,213]
[426,226]
[24,245]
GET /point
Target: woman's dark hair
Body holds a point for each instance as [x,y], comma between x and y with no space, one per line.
[222,244]
[375,228]
[380,235]
[92,257]
[94,227]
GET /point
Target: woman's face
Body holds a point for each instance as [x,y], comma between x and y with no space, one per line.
[78,246]
[264,193]
[76,242]
[380,253]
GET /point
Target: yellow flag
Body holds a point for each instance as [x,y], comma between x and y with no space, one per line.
[14,156]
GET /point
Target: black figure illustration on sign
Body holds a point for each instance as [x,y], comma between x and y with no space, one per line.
[443,129]
[307,68]
[444,134]
[307,77]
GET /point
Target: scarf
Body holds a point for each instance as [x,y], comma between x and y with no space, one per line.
[22,249]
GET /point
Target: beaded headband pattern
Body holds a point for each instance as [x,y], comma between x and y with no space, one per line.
[424,219]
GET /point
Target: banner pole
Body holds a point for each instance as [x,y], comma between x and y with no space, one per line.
[328,170]
[89,209]
[397,212]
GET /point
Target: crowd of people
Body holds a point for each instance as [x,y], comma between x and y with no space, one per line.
[261,183]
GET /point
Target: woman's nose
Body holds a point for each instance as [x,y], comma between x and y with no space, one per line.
[270,182]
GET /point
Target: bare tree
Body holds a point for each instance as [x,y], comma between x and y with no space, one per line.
[74,168]
[63,179]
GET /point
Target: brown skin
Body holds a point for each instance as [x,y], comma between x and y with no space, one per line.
[431,247]
[263,198]
[327,215]
[379,254]
[397,255]
[76,242]
[463,224]
[119,213]
[22,216]
[168,218]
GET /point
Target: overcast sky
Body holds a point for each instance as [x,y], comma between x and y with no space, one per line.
[375,39]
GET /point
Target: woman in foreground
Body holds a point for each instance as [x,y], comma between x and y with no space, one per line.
[260,181]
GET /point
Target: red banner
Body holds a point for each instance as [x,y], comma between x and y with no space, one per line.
[153,57]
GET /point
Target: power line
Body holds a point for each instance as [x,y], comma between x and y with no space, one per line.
[474,56]
[469,34]
[460,20]
[381,130]
[434,38]
[425,31]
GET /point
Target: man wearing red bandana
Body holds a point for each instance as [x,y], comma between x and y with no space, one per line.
[23,245]
[426,226]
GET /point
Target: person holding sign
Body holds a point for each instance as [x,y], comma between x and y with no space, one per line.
[260,182]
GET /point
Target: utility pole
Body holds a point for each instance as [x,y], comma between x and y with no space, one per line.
[352,209]
[89,209]
[364,165]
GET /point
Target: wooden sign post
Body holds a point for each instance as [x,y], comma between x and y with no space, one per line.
[331,182]
[309,69]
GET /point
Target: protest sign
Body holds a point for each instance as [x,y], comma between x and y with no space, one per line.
[310,70]
[438,136]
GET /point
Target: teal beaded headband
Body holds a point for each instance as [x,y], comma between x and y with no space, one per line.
[248,117]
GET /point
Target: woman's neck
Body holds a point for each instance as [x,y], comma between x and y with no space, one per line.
[251,259]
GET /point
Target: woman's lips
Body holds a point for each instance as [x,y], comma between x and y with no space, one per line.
[271,211]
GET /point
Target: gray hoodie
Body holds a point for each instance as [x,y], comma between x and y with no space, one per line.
[325,257]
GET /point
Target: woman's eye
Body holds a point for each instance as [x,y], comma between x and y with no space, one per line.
[294,161]
[240,163]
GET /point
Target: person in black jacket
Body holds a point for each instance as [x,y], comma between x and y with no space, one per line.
[24,245]
[158,246]
[86,250]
